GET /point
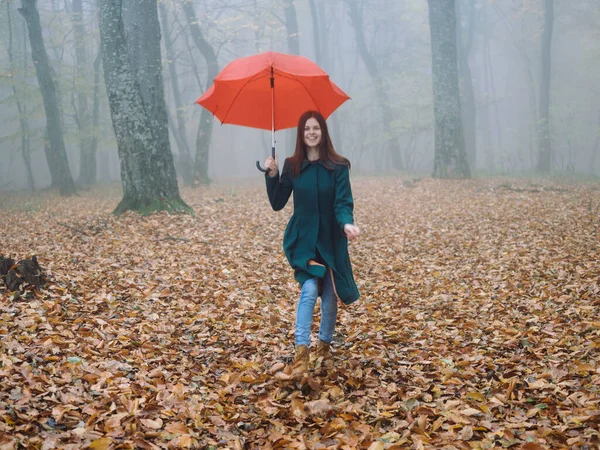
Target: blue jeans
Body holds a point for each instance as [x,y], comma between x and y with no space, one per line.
[306,307]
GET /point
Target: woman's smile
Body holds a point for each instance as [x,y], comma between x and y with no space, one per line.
[312,133]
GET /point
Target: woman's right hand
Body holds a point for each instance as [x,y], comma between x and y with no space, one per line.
[271,166]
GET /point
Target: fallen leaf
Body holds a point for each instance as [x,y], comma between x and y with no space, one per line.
[101,444]
[152,424]
[317,408]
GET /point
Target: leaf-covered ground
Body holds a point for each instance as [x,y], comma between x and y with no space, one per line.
[478,325]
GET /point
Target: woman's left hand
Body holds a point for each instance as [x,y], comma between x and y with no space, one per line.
[351,231]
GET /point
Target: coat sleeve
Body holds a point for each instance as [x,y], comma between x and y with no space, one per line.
[343,204]
[279,187]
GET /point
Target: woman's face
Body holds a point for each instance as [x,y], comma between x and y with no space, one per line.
[312,133]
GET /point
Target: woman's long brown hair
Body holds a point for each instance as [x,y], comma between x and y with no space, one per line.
[327,153]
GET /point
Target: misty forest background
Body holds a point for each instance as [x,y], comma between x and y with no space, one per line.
[521,64]
[475,159]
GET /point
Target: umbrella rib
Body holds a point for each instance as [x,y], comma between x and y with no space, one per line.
[305,88]
[238,94]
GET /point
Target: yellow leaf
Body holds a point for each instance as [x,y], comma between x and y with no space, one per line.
[532,412]
[477,396]
[101,444]
[335,393]
[337,424]
[377,445]
[580,419]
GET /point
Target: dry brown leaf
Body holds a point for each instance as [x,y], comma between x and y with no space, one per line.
[476,322]
[531,446]
[152,424]
[101,444]
[466,434]
[317,408]
[377,445]
[176,428]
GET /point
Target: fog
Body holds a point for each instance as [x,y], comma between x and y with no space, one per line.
[501,41]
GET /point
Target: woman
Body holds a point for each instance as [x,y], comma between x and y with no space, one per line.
[316,237]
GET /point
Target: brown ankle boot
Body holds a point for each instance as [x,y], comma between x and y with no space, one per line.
[324,352]
[300,366]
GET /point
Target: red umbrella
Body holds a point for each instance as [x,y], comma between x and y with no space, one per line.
[271,91]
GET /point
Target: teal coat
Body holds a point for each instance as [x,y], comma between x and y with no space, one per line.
[322,206]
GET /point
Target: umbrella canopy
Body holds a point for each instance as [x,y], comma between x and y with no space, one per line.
[243,93]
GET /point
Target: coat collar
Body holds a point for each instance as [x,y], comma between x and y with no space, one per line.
[307,163]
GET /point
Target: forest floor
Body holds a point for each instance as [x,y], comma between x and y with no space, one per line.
[478,324]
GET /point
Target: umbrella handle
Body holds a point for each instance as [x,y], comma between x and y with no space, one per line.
[258,163]
[260,168]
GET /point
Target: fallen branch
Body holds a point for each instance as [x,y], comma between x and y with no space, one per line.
[72,228]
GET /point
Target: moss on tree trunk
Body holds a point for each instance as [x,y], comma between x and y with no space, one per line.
[146,206]
[138,114]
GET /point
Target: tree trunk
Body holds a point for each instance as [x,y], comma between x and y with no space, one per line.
[545,148]
[57,154]
[204,133]
[450,159]
[487,127]
[91,164]
[380,89]
[595,148]
[142,37]
[316,27]
[23,122]
[293,43]
[492,88]
[135,95]
[319,45]
[320,33]
[291,26]
[187,166]
[469,111]
[82,112]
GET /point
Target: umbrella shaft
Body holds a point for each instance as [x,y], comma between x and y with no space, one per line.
[272,113]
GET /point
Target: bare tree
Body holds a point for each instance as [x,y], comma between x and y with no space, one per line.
[316,28]
[380,88]
[87,161]
[204,134]
[21,107]
[595,148]
[56,153]
[545,148]
[465,44]
[450,159]
[180,131]
[91,167]
[134,85]
[291,26]
[518,37]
